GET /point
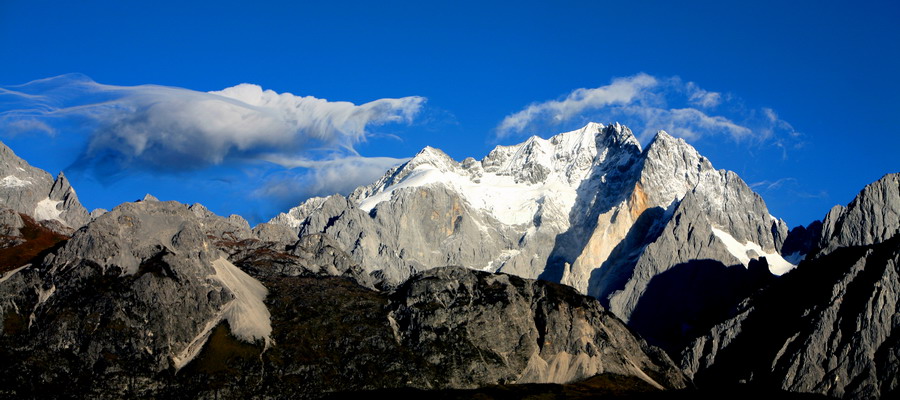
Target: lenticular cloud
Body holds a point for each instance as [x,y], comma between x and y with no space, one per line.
[170,128]
[648,104]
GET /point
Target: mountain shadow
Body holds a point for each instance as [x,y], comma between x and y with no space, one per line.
[782,322]
[683,302]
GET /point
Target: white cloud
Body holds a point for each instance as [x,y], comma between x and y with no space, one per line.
[688,123]
[621,91]
[157,125]
[14,126]
[323,178]
[777,123]
[771,185]
[150,127]
[649,104]
[700,97]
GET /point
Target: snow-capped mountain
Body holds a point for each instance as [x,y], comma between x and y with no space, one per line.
[587,208]
[162,299]
[538,178]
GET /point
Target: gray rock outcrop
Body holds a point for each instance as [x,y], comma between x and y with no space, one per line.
[34,192]
[98,296]
[518,330]
[135,295]
[831,326]
[872,217]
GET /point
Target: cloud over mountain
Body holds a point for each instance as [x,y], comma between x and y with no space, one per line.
[650,103]
[163,128]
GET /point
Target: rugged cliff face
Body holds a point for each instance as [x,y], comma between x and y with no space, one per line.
[160,299]
[588,208]
[519,330]
[135,292]
[144,301]
[34,192]
[831,326]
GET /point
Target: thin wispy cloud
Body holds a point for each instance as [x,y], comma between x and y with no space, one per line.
[163,128]
[621,92]
[324,177]
[648,104]
[771,185]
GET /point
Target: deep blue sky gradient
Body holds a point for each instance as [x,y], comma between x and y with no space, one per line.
[828,68]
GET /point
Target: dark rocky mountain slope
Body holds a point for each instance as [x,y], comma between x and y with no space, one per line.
[145,301]
[833,325]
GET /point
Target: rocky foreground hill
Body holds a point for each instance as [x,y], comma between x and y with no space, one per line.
[144,301]
[381,290]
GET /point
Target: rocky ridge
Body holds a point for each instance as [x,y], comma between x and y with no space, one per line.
[840,337]
[587,208]
[34,192]
[143,301]
[161,299]
[164,299]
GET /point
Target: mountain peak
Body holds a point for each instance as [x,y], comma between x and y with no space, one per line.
[664,138]
[428,150]
[871,218]
[46,198]
[673,149]
[432,156]
[662,135]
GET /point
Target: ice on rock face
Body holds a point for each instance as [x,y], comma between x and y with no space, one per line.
[777,264]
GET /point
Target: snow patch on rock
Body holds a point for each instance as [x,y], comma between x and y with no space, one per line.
[747,251]
[513,183]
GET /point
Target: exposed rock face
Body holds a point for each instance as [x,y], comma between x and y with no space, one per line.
[137,293]
[684,281]
[586,208]
[422,228]
[11,224]
[160,299]
[143,301]
[685,213]
[872,217]
[24,241]
[34,192]
[802,240]
[831,326]
[481,328]
[141,285]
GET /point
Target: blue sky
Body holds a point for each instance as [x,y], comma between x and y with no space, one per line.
[801,99]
